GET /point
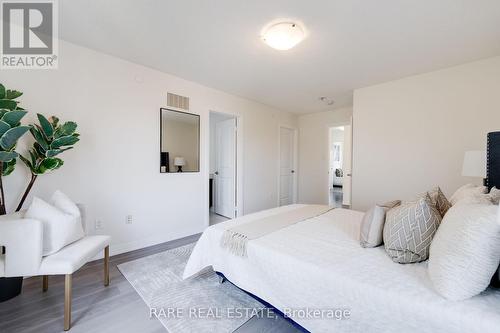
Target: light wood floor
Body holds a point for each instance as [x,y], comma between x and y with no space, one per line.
[117,308]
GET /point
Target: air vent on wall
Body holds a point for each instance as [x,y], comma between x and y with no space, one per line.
[178,101]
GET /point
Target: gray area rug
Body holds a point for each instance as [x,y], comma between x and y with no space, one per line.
[199,304]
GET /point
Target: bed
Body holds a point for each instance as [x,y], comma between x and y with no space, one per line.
[318,264]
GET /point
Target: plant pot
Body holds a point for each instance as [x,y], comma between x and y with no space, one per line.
[10,288]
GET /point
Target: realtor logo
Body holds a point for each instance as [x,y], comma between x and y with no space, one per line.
[29,34]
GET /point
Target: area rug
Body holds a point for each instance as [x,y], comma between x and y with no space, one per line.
[199,304]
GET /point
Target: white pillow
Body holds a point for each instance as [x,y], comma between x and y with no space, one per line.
[495,195]
[465,251]
[475,199]
[372,225]
[59,228]
[467,191]
[61,201]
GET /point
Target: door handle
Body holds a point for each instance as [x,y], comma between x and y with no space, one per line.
[216,173]
[293,171]
[349,175]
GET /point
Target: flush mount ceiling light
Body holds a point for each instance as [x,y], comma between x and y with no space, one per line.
[283,34]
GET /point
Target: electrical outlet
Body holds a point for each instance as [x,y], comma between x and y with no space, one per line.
[129,219]
[98,224]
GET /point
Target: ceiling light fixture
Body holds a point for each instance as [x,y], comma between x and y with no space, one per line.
[283,34]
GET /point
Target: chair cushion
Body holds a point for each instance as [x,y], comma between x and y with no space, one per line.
[70,258]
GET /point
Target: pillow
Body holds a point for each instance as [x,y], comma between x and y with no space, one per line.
[61,201]
[372,225]
[495,195]
[390,204]
[475,199]
[409,229]
[439,200]
[466,191]
[465,252]
[59,228]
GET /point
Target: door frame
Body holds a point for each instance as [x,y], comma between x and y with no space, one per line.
[295,162]
[239,163]
[328,146]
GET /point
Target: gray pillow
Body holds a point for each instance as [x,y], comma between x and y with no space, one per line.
[439,200]
[372,225]
[409,230]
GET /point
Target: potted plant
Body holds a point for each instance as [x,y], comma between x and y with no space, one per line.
[11,131]
[51,139]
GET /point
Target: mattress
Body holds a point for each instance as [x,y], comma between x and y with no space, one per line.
[318,265]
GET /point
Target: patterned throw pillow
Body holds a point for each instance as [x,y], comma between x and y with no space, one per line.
[409,229]
[440,201]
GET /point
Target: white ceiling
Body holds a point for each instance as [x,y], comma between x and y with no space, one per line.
[351,43]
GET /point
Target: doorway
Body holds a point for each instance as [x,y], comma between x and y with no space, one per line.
[287,170]
[223,167]
[339,171]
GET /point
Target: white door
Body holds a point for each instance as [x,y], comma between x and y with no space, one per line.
[287,172]
[225,166]
[347,182]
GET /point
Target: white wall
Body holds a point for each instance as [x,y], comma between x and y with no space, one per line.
[114,170]
[314,153]
[411,134]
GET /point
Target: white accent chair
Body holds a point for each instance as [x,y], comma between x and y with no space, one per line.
[22,239]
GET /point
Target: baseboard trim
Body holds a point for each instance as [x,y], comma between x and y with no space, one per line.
[115,249]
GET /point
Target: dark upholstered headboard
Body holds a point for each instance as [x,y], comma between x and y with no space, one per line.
[493,177]
[493,160]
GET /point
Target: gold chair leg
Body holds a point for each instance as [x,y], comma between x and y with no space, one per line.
[45,283]
[106,266]
[67,301]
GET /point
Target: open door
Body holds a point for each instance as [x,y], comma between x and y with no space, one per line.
[347,182]
[225,166]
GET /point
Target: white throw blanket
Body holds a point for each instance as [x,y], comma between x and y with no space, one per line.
[235,239]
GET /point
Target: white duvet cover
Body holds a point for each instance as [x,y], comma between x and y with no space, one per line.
[318,264]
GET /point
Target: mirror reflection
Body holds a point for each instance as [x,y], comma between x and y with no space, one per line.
[179,141]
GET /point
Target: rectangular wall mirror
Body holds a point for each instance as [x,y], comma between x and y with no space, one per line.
[179,141]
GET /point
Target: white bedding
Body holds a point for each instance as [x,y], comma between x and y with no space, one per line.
[319,264]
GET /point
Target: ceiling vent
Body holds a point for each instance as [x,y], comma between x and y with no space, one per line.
[177,101]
